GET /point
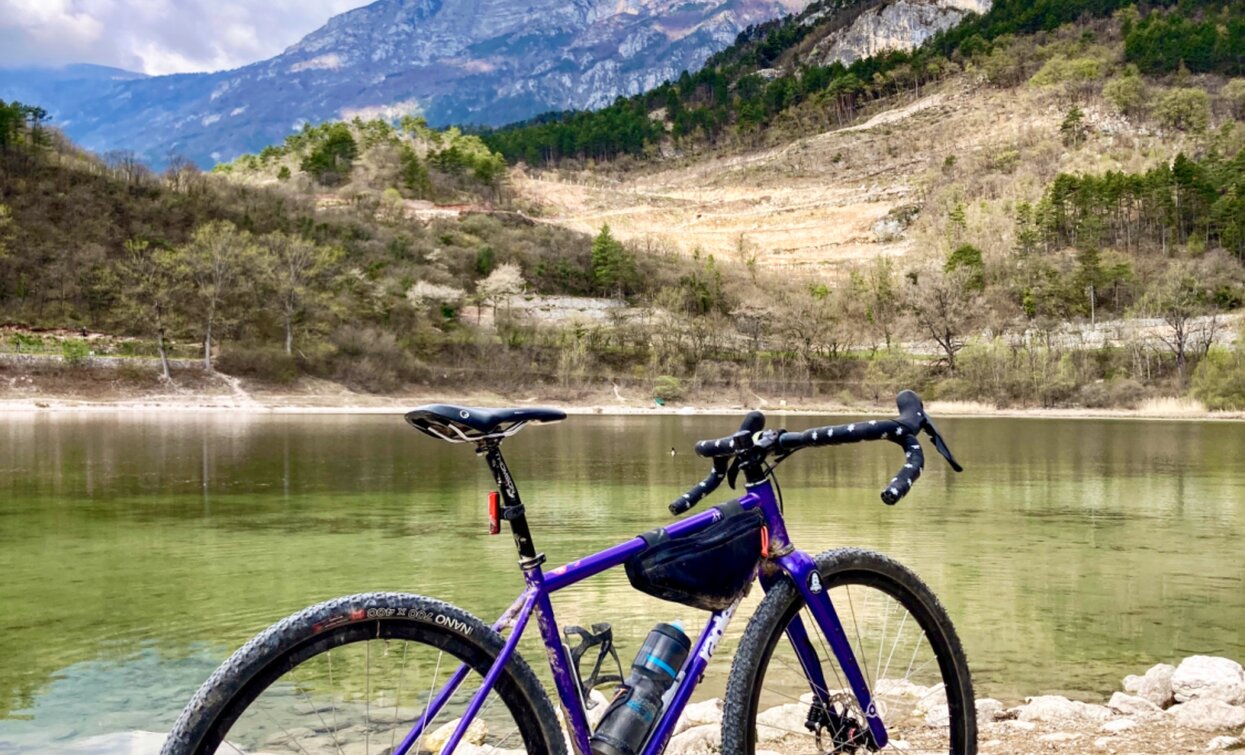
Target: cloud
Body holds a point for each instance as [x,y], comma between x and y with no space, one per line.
[156,36]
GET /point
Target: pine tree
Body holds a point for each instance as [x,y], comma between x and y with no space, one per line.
[613,268]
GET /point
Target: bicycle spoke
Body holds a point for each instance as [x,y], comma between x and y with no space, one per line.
[333,701]
[860,655]
[367,698]
[895,644]
[397,699]
[298,688]
[419,744]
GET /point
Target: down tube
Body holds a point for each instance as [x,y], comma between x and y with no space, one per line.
[803,572]
[434,706]
[693,671]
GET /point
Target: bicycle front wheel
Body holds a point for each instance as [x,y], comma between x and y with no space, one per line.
[904,644]
[355,675]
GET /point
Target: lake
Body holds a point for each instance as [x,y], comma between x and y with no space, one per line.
[139,549]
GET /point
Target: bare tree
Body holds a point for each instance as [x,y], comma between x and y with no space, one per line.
[127,166]
[945,308]
[291,266]
[1184,303]
[150,289]
[505,281]
[215,263]
[180,173]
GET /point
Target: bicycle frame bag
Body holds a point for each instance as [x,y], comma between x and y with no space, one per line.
[709,570]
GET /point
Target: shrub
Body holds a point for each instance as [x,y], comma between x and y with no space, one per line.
[371,359]
[1122,393]
[668,388]
[264,363]
[1219,380]
[75,352]
[1062,70]
[1128,93]
[1234,94]
[25,343]
[1184,109]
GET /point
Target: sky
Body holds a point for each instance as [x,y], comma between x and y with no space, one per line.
[156,36]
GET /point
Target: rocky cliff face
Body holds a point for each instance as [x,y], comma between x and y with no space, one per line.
[898,25]
[455,61]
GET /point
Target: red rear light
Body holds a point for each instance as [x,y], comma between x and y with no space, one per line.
[494,513]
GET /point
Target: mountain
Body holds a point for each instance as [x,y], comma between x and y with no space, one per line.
[900,25]
[53,88]
[454,61]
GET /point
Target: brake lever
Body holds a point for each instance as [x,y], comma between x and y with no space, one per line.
[940,444]
[732,473]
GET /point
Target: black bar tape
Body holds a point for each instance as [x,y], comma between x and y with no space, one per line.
[722,446]
[914,462]
[697,493]
[833,435]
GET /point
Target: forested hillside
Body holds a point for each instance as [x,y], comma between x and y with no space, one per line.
[186,263]
[763,80]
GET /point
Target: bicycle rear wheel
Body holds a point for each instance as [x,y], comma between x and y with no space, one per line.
[354,675]
[904,644]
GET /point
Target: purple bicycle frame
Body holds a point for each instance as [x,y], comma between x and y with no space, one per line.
[799,566]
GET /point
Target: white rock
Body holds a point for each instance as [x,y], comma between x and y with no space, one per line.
[1132,705]
[781,721]
[1119,725]
[903,688]
[1020,725]
[938,715]
[1208,715]
[1224,743]
[700,714]
[1057,708]
[698,740]
[988,708]
[1155,685]
[1103,743]
[1059,736]
[1208,677]
[475,734]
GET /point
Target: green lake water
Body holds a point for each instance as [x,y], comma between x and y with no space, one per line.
[137,550]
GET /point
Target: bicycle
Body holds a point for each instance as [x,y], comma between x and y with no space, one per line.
[296,686]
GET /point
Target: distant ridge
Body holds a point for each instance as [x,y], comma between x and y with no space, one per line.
[454,61]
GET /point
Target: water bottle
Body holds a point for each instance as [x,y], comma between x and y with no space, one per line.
[638,703]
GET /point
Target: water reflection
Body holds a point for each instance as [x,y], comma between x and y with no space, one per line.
[1069,554]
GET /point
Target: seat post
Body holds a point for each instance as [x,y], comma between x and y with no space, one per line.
[512,507]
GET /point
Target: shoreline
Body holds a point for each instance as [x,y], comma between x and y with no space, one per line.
[356,404]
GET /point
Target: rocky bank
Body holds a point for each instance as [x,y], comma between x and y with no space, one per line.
[1197,705]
